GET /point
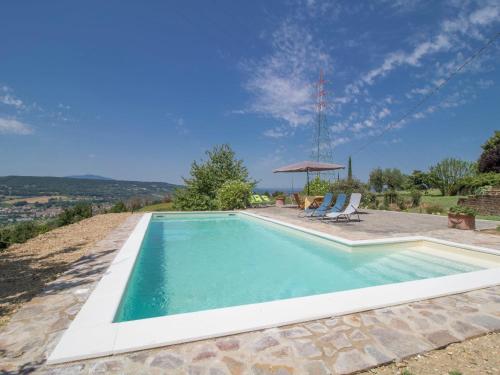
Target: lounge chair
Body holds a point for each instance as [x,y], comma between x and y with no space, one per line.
[256,200]
[352,208]
[337,207]
[298,200]
[266,200]
[327,201]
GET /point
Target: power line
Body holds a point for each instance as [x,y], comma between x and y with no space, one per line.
[431,93]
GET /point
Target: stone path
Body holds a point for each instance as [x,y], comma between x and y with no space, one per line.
[338,345]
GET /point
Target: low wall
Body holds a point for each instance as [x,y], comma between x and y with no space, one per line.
[488,204]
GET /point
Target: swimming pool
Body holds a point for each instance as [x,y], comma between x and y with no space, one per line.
[183,277]
[207,261]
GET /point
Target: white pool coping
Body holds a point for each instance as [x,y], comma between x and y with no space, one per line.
[93,333]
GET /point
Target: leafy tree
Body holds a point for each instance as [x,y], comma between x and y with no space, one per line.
[208,177]
[79,211]
[393,178]
[489,161]
[447,174]
[233,195]
[349,169]
[317,186]
[118,207]
[419,180]
[377,180]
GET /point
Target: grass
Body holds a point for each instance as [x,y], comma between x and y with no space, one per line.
[158,207]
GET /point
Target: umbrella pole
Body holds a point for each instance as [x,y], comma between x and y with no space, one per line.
[307,171]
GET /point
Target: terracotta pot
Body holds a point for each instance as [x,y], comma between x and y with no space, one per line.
[280,201]
[459,221]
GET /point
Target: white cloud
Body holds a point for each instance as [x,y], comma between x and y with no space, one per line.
[277,132]
[7,98]
[13,126]
[280,84]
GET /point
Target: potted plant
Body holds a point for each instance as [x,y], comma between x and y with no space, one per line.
[280,201]
[461,217]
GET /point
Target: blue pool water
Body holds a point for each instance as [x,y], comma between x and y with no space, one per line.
[193,262]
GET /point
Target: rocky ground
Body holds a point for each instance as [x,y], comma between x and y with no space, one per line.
[26,268]
[476,356]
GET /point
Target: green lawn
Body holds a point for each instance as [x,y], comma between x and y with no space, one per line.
[158,207]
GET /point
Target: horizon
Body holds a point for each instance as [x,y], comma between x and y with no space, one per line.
[137,93]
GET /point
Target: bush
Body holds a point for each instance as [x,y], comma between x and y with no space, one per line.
[233,195]
[434,209]
[348,187]
[22,232]
[401,202]
[369,200]
[377,180]
[489,161]
[74,214]
[118,207]
[416,197]
[469,185]
[463,210]
[208,177]
[390,197]
[447,174]
[317,186]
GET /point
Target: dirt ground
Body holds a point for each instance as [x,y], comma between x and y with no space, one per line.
[26,268]
[479,356]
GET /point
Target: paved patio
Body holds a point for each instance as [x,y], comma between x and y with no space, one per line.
[337,345]
[380,224]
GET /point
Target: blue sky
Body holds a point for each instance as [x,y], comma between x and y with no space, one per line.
[138,90]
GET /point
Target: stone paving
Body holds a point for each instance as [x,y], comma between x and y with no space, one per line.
[376,224]
[338,345]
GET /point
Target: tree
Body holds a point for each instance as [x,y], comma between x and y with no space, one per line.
[393,178]
[377,180]
[349,170]
[234,195]
[317,186]
[208,177]
[419,180]
[447,173]
[489,161]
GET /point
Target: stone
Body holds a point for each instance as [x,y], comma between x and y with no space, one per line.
[306,348]
[270,369]
[466,330]
[217,371]
[399,343]
[332,322]
[369,320]
[489,322]
[441,338]
[399,324]
[338,339]
[316,327]
[228,344]
[353,320]
[204,355]
[265,343]
[357,335]
[352,361]
[106,367]
[196,370]
[316,367]
[295,332]
[235,367]
[167,361]
[379,356]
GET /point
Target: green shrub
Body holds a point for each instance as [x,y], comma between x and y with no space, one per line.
[74,214]
[369,200]
[401,202]
[317,186]
[463,210]
[118,207]
[22,232]
[233,195]
[454,372]
[469,185]
[207,177]
[434,209]
[447,174]
[348,187]
[390,197]
[416,197]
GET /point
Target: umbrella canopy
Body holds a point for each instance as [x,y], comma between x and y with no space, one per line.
[308,166]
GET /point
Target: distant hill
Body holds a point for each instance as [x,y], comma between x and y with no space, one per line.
[89,177]
[96,190]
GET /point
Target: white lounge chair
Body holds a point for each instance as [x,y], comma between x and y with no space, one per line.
[352,208]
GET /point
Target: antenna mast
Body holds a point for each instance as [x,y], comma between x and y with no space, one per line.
[322,146]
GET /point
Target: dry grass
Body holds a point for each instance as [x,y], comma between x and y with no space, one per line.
[26,268]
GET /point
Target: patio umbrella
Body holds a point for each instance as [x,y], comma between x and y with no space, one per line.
[308,166]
